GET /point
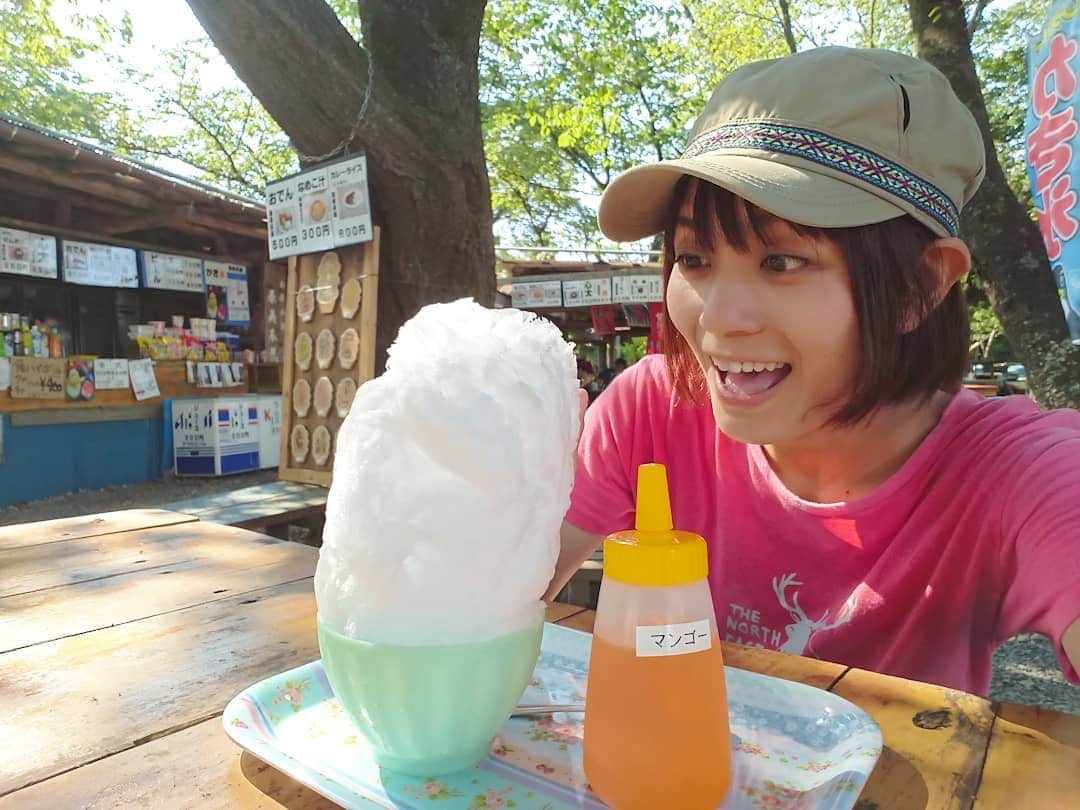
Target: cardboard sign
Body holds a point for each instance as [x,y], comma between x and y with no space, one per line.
[37,378]
[111,374]
[143,382]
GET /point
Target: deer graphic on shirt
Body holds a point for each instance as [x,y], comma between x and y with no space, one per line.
[799,633]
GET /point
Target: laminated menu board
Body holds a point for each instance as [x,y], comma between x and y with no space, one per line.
[330,311]
[166,271]
[99,265]
[324,207]
[27,254]
[227,293]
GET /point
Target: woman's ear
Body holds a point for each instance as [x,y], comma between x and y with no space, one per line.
[945,261]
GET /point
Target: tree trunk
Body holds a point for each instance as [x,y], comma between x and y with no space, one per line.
[421,129]
[1006,244]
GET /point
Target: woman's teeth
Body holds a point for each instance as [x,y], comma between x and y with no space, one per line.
[745,367]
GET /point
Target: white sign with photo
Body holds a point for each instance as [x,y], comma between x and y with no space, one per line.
[536,294]
[298,216]
[227,292]
[352,206]
[110,374]
[587,292]
[100,265]
[638,289]
[27,254]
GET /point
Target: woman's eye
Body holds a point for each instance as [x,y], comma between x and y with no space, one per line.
[690,261]
[783,264]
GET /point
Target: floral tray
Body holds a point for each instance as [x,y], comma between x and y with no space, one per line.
[794,746]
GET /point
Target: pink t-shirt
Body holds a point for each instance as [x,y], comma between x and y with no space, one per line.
[975,538]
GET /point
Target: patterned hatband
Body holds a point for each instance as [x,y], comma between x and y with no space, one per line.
[835,154]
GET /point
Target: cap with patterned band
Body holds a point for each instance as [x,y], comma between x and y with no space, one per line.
[832,137]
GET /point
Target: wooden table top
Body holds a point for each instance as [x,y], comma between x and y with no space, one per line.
[123,636]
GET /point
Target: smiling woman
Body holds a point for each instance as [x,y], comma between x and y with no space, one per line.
[808,404]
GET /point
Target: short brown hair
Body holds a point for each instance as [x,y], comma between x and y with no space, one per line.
[889,284]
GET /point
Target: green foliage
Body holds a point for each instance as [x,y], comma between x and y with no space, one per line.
[1000,50]
[223,133]
[40,78]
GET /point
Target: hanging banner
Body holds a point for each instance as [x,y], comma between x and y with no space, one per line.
[603,320]
[319,209]
[656,327]
[1051,135]
[349,194]
[227,293]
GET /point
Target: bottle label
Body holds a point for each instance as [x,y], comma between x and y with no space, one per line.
[674,639]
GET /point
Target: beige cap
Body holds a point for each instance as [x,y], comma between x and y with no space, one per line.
[832,137]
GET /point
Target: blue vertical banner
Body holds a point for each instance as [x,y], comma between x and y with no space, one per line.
[1053,165]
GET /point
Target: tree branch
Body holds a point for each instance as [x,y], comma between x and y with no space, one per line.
[785,20]
[976,17]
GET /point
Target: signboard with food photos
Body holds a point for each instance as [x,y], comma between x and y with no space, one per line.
[319,209]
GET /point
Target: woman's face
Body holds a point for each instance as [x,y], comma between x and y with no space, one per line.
[774,328]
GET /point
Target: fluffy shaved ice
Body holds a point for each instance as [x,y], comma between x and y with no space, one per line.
[452,474]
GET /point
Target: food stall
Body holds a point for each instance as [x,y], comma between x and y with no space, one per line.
[122,288]
[596,304]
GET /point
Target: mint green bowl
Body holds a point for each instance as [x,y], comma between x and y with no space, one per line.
[430,710]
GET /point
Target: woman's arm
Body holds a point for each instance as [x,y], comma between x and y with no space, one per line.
[575,546]
[1070,642]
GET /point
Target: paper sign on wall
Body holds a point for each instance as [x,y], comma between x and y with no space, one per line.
[227,293]
[640,289]
[27,254]
[100,265]
[164,271]
[536,294]
[143,381]
[37,378]
[111,374]
[5,374]
[587,292]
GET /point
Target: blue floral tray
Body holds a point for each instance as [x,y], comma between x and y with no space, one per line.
[794,746]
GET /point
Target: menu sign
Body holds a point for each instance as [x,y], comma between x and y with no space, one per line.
[37,378]
[111,374]
[298,214]
[163,271]
[349,193]
[227,293]
[100,265]
[587,292]
[143,382]
[27,254]
[536,294]
[640,289]
[319,209]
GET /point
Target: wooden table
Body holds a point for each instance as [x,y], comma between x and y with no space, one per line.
[122,636]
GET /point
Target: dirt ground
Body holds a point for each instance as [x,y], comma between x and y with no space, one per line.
[1026,669]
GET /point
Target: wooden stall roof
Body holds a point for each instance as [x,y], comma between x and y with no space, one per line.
[53,182]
